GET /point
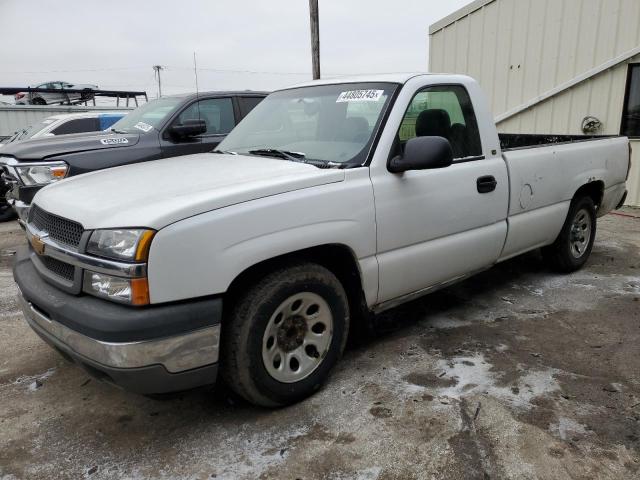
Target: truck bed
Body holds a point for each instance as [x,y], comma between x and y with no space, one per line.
[514,141]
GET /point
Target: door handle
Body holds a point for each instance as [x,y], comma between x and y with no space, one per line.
[486,184]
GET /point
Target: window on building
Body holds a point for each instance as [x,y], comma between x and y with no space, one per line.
[443,111]
[631,112]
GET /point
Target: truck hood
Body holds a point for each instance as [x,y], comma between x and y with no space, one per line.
[37,149]
[156,194]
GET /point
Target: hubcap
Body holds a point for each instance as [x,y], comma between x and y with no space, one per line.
[297,337]
[580,233]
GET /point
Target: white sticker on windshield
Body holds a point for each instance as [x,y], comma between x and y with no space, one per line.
[113,141]
[145,127]
[360,96]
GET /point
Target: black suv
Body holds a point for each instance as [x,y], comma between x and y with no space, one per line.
[166,127]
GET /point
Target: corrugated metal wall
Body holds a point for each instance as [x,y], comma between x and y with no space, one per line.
[21,116]
[520,49]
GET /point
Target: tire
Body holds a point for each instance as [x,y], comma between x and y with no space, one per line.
[572,248]
[38,101]
[7,213]
[267,324]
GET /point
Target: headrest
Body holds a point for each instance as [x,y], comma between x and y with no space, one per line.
[433,123]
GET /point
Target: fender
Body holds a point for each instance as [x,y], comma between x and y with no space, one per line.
[217,246]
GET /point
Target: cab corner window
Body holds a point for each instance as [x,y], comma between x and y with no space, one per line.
[443,111]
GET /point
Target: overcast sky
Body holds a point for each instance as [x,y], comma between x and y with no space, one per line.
[239,44]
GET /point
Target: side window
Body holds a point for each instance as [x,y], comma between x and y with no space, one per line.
[443,111]
[631,112]
[77,125]
[217,113]
[248,103]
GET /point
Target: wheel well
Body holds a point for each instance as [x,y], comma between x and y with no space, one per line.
[339,259]
[594,190]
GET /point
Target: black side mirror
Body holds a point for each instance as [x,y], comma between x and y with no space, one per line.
[190,128]
[422,153]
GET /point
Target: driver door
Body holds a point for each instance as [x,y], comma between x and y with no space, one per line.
[438,225]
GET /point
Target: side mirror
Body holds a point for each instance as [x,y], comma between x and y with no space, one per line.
[190,128]
[422,153]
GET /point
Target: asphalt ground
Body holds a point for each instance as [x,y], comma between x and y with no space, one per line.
[516,373]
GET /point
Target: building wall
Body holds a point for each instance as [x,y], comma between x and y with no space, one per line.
[521,49]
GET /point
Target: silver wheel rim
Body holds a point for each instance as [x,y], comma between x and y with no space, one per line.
[297,337]
[580,233]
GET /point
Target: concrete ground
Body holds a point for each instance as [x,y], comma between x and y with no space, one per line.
[517,373]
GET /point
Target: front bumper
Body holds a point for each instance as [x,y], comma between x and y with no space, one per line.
[134,348]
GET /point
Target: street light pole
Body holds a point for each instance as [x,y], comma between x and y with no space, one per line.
[315,38]
[157,69]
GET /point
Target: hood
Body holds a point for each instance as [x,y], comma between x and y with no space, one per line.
[158,193]
[36,149]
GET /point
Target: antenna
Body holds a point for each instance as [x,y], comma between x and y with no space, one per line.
[195,72]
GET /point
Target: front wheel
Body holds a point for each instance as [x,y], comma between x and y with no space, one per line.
[572,248]
[284,335]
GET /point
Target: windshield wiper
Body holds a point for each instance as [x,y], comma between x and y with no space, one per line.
[117,131]
[229,152]
[295,157]
[274,152]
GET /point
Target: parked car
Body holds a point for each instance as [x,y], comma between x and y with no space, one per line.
[330,202]
[67,123]
[167,127]
[48,98]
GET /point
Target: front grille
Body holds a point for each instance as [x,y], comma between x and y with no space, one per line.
[59,229]
[59,268]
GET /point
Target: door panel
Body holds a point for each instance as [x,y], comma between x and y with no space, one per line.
[434,225]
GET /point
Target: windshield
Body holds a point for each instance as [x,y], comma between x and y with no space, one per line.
[330,123]
[149,116]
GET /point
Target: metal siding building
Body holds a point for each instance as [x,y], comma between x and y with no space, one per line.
[546,64]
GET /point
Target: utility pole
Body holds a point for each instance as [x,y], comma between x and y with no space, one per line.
[157,69]
[315,38]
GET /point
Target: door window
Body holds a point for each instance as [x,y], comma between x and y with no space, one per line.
[631,113]
[77,125]
[443,111]
[217,113]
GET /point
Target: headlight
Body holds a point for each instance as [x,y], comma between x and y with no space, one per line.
[123,244]
[133,291]
[41,174]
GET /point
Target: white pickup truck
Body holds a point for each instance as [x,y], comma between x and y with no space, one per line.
[330,201]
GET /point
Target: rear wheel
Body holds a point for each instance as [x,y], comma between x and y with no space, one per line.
[38,101]
[284,335]
[573,246]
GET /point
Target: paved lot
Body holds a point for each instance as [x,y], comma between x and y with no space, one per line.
[517,373]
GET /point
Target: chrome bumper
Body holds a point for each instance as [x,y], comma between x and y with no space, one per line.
[177,353]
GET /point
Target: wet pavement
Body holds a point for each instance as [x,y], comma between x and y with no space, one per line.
[516,373]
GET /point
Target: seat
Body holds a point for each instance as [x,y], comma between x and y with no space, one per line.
[459,139]
[433,123]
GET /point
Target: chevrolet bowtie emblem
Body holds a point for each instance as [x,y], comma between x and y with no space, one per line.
[37,244]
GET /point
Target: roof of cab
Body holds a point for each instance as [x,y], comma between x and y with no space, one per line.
[378,78]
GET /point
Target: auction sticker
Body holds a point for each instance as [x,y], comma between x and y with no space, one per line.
[145,127]
[113,141]
[360,96]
